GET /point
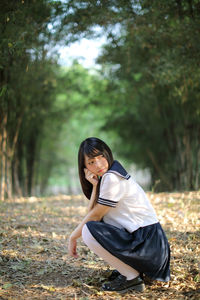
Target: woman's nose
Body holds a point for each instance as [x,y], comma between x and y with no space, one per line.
[97,163]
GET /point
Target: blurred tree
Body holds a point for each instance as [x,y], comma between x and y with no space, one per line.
[148,90]
[79,93]
[152,62]
[25,88]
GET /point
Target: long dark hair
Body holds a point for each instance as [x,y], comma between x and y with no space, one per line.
[91,147]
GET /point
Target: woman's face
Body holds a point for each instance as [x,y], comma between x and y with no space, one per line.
[97,165]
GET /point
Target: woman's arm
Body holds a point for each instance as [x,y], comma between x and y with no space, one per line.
[93,179]
[95,214]
[92,198]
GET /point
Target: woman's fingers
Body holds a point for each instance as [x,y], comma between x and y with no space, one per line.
[72,248]
[91,177]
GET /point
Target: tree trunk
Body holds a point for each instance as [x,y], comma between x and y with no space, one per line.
[159,171]
[3,161]
[188,158]
[191,8]
[10,155]
[180,11]
[30,167]
[8,177]
[196,159]
[17,188]
[197,177]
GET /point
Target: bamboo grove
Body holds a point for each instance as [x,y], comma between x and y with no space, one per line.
[147,88]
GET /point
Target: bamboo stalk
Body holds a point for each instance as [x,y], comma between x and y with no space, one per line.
[3,163]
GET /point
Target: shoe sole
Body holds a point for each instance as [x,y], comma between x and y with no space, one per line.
[138,288]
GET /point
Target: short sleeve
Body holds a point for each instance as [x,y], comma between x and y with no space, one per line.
[111,190]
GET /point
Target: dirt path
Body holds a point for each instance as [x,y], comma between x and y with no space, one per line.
[33,256]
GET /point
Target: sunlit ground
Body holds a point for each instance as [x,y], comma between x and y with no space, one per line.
[34,263]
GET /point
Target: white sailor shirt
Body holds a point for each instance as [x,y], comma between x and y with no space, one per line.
[131,208]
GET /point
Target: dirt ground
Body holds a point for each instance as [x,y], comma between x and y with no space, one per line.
[34,263]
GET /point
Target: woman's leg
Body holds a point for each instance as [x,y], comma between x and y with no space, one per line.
[123,268]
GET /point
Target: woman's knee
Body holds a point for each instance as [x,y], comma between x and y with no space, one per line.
[85,231]
[87,237]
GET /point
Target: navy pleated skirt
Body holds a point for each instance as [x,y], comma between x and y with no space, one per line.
[146,249]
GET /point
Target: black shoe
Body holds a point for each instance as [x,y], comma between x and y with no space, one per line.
[113,275]
[121,284]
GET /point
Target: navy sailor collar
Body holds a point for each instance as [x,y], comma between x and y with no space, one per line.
[117,168]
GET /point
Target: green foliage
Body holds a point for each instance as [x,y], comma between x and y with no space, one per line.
[78,100]
[26,88]
[152,63]
[145,102]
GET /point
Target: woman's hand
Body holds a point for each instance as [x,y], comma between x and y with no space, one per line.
[91,177]
[72,247]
